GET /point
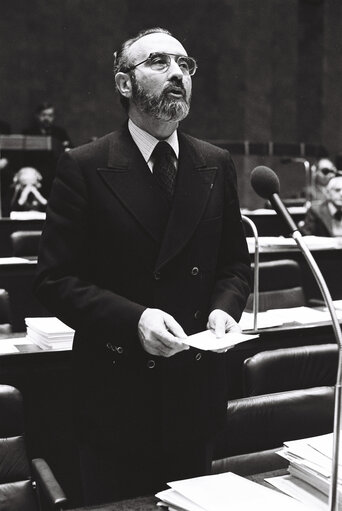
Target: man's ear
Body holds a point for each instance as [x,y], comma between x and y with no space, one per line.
[124,84]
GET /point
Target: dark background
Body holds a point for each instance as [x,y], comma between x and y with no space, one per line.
[269,70]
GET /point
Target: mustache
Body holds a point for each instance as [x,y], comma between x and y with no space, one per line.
[174,86]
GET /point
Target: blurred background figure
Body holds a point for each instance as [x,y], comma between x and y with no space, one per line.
[322,172]
[26,195]
[324,218]
[44,124]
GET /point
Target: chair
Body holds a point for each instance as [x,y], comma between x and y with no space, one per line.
[5,314]
[21,482]
[25,243]
[289,394]
[280,285]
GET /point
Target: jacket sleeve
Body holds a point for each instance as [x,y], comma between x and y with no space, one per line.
[233,276]
[61,282]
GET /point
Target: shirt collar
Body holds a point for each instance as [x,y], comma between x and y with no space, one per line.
[146,142]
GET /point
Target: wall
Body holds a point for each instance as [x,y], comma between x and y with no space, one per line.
[268,69]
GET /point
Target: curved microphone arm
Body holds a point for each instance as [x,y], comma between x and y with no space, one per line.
[333,501]
[256,270]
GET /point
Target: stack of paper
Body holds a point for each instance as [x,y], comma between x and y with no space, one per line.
[309,470]
[222,492]
[49,333]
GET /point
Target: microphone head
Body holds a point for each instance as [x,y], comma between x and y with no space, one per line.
[265,182]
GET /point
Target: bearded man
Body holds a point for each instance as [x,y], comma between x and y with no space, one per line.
[143,246]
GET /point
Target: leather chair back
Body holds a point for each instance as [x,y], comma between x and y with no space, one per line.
[280,285]
[16,490]
[294,368]
[25,243]
[5,316]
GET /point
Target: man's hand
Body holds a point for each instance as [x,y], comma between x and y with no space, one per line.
[220,323]
[160,334]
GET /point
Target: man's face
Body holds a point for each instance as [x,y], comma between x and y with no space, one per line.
[324,171]
[46,117]
[162,95]
[334,191]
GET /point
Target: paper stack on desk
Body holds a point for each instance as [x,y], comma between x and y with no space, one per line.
[222,492]
[49,333]
[310,470]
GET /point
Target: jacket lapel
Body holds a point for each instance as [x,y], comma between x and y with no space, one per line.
[194,183]
[326,217]
[129,178]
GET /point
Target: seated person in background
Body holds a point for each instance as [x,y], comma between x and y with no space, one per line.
[322,172]
[43,124]
[26,195]
[325,217]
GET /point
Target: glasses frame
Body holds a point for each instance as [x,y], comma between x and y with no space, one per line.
[177,57]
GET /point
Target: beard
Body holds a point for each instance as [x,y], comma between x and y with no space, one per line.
[163,107]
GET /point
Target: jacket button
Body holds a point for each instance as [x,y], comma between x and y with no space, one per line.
[119,349]
[156,275]
[197,314]
[194,271]
[198,356]
[151,364]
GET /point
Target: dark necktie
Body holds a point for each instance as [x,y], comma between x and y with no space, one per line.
[164,168]
[338,215]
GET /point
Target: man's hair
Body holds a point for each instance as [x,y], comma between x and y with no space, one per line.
[121,60]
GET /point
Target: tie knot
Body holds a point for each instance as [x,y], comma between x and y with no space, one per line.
[163,149]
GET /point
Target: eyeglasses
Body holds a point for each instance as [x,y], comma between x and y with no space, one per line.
[161,62]
[326,170]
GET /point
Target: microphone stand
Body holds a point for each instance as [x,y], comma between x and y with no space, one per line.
[256,270]
[333,495]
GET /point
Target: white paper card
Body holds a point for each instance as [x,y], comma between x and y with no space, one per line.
[207,340]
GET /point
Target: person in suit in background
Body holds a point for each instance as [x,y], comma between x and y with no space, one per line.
[144,245]
[325,217]
[44,124]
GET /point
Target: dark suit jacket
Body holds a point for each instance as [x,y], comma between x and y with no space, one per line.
[110,249]
[318,220]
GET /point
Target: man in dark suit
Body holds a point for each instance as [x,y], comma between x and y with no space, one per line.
[44,124]
[325,217]
[144,245]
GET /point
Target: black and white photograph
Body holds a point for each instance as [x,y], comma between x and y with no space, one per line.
[170,250]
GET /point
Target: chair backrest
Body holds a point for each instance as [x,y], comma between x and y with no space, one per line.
[285,369]
[25,243]
[16,491]
[5,315]
[280,285]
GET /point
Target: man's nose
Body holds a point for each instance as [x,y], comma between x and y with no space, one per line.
[175,70]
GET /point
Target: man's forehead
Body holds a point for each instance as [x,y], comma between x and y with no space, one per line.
[156,42]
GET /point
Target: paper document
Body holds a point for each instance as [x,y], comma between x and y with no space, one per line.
[207,340]
[267,319]
[228,491]
[14,260]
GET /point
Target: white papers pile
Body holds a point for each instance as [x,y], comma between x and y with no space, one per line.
[49,333]
[222,492]
[310,470]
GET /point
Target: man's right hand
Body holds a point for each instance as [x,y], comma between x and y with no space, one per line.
[160,334]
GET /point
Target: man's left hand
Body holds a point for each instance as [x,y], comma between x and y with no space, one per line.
[220,322]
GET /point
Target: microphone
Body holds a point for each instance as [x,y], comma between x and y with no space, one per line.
[265,183]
